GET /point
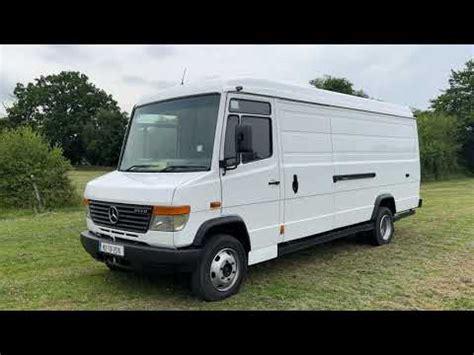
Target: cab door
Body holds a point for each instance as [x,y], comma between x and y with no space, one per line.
[252,189]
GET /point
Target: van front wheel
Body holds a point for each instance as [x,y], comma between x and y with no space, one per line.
[383,227]
[221,269]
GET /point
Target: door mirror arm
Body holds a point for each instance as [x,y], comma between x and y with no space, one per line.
[224,164]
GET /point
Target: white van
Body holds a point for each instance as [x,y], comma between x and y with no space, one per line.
[218,176]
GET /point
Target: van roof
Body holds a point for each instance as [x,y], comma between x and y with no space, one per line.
[281,90]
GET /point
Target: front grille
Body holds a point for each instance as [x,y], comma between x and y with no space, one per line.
[134,218]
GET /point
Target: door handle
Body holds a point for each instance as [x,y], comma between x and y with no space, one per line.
[274,182]
[295,183]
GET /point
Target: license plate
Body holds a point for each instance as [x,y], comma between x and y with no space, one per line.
[113,249]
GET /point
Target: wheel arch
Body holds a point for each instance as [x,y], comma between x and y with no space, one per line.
[233,225]
[384,200]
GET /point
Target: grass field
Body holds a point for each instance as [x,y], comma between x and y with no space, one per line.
[429,265]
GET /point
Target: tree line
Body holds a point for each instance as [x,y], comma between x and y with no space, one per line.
[87,123]
[71,112]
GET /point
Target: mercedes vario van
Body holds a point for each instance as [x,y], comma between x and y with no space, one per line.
[215,177]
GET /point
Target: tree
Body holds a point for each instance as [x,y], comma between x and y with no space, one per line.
[341,85]
[103,137]
[32,173]
[61,107]
[4,123]
[439,144]
[458,101]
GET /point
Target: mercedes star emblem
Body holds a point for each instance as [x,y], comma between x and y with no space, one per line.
[113,214]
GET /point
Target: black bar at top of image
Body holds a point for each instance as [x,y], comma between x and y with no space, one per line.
[355,25]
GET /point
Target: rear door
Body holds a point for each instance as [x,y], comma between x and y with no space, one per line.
[253,190]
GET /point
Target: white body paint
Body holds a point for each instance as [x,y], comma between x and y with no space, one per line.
[316,135]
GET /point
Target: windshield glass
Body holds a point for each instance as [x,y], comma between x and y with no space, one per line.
[172,136]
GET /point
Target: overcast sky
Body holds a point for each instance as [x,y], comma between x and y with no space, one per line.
[408,75]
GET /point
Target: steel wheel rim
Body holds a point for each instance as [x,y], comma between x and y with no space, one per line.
[385,227]
[224,270]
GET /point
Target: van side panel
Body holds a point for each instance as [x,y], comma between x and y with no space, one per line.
[386,145]
[307,154]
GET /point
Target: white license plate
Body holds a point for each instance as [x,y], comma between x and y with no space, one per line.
[113,249]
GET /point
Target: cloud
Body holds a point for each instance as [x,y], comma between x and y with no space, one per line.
[157,84]
[110,64]
[6,92]
[135,80]
[405,74]
[160,51]
[63,53]
[6,86]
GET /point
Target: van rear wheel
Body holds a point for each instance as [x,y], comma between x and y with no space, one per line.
[221,269]
[383,227]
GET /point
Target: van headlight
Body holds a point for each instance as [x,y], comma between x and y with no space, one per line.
[169,218]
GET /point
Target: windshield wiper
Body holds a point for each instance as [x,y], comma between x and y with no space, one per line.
[184,167]
[140,166]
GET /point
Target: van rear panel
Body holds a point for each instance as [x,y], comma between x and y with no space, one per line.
[382,145]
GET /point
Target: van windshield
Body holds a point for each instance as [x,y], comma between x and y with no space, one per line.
[172,136]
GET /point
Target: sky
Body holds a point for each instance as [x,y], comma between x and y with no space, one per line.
[409,75]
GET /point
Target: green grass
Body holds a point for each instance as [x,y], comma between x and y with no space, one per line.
[429,265]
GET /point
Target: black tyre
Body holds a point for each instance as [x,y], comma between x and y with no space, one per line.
[221,269]
[383,227]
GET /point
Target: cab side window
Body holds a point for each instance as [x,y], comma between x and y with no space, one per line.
[250,106]
[261,138]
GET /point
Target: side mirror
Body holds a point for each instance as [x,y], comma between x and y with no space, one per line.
[228,164]
[243,144]
[243,138]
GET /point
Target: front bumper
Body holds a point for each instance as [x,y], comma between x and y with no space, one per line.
[142,257]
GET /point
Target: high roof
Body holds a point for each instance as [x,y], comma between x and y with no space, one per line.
[281,90]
